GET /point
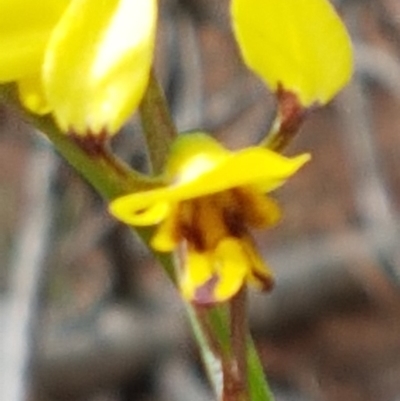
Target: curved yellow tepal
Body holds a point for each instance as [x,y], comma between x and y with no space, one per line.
[98,61]
[301,45]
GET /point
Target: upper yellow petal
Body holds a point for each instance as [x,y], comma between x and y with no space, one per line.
[25,28]
[255,166]
[300,44]
[98,62]
[198,160]
[192,154]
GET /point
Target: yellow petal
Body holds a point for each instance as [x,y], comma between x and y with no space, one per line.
[301,44]
[167,236]
[259,275]
[193,154]
[142,208]
[255,166]
[232,265]
[197,272]
[98,62]
[222,169]
[25,28]
[133,211]
[263,168]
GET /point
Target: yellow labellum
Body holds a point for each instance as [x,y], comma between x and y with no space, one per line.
[301,45]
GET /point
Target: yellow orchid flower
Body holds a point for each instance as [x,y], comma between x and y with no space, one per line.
[300,46]
[212,199]
[86,61]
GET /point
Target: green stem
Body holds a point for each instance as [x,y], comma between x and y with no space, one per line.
[215,334]
[158,126]
[236,388]
[258,386]
[208,349]
[110,176]
[103,170]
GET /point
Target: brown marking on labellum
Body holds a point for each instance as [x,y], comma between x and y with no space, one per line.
[251,214]
[193,236]
[190,226]
[234,221]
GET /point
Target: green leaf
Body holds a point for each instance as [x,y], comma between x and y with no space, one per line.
[258,385]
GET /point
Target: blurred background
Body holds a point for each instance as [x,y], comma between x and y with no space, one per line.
[87,315]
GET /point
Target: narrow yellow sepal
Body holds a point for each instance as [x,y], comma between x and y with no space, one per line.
[301,45]
[98,61]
